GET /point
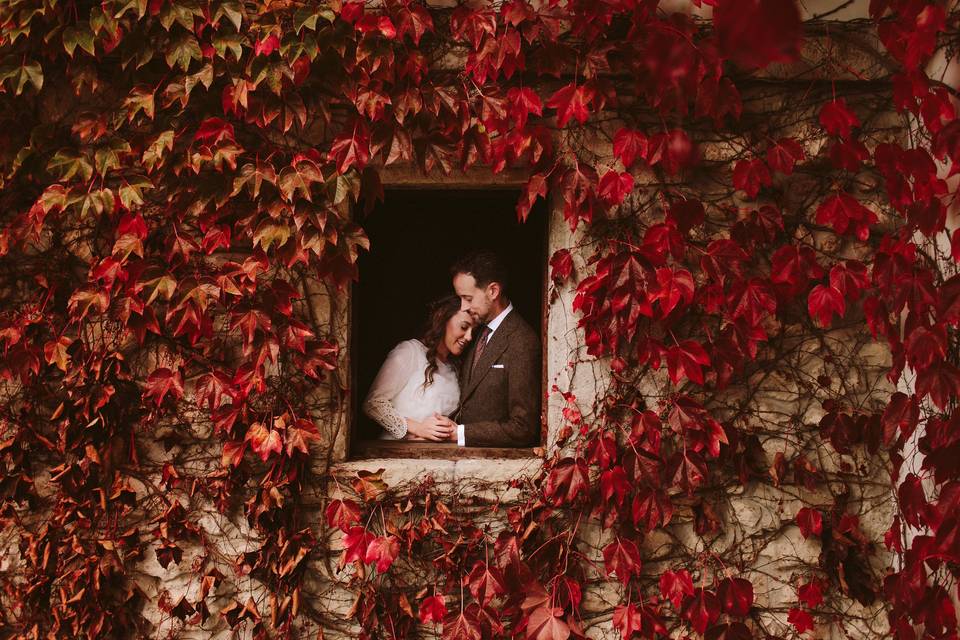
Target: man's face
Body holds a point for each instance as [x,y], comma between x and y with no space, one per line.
[477,301]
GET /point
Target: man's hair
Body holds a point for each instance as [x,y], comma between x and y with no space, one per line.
[485,267]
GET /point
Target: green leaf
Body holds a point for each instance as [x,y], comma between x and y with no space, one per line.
[182,51]
[299,177]
[107,157]
[139,6]
[21,72]
[226,153]
[135,50]
[233,10]
[18,160]
[269,232]
[53,197]
[270,71]
[67,163]
[293,47]
[131,193]
[99,202]
[141,98]
[204,77]
[253,176]
[355,239]
[81,36]
[157,149]
[100,20]
[305,17]
[181,12]
[229,41]
[344,185]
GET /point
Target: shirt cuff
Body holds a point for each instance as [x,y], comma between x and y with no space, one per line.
[461,436]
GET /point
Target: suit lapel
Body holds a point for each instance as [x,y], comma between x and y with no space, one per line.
[494,349]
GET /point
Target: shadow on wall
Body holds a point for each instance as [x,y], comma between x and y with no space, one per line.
[415,237]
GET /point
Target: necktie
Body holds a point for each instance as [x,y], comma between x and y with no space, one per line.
[481,345]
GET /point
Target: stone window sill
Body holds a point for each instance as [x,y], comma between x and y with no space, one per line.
[370,449]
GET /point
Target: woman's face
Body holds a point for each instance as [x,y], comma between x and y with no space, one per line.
[459,332]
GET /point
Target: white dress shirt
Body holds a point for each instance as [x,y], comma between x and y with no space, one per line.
[492,326]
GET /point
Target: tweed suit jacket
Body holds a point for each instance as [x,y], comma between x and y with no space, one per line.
[500,396]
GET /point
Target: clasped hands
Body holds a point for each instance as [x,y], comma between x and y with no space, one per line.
[436,428]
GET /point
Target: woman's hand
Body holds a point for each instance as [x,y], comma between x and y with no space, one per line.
[434,428]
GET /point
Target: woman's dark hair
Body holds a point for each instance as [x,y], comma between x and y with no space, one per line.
[439,312]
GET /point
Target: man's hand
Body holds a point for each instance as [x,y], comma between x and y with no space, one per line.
[448,423]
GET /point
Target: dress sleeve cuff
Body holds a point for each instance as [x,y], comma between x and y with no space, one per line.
[461,436]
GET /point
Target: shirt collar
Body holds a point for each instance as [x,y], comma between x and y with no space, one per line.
[493,324]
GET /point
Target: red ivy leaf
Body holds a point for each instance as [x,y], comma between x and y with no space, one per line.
[675,586]
[903,412]
[823,302]
[627,620]
[622,557]
[794,266]
[784,154]
[536,187]
[568,480]
[736,595]
[702,610]
[614,187]
[263,440]
[355,543]
[652,509]
[628,145]
[800,619]
[433,609]
[846,215]
[572,101]
[750,175]
[686,214]
[941,381]
[523,101]
[849,278]
[351,149]
[837,118]
[810,522]
[299,435]
[342,514]
[676,286]
[383,550]
[163,381]
[685,360]
[414,20]
[545,624]
[485,582]
[755,33]
[811,594]
[561,266]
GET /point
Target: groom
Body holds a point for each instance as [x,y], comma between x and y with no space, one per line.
[499,379]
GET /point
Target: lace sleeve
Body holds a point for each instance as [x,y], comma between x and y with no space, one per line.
[397,369]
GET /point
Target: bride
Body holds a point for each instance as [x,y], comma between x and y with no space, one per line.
[417,383]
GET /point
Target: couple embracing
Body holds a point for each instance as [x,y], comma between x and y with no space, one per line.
[473,375]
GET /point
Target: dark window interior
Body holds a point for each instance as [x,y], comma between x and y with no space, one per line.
[415,236]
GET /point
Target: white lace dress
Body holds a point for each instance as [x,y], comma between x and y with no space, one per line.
[398,390]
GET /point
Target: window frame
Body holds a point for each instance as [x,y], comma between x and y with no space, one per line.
[409,177]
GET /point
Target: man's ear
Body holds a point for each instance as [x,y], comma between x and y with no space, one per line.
[493,290]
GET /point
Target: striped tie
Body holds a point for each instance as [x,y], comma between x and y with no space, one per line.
[480,347]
